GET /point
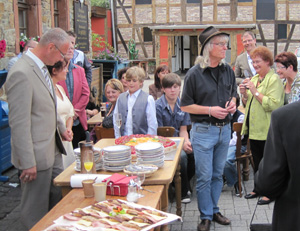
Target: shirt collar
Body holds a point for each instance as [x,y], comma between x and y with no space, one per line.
[165,103]
[135,94]
[37,60]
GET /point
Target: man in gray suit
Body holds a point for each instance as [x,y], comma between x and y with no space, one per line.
[35,126]
[243,64]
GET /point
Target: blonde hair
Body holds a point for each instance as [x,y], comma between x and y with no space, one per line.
[135,73]
[114,84]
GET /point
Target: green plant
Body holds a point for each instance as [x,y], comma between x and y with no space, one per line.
[106,50]
[133,53]
[101,3]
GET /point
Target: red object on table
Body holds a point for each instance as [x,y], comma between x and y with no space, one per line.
[117,184]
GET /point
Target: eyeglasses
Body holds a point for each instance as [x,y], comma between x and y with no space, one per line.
[220,44]
[280,67]
[62,54]
[247,41]
[257,61]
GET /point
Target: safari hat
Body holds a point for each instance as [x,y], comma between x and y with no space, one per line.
[207,34]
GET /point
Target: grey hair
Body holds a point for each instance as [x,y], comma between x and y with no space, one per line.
[55,35]
[204,60]
[248,33]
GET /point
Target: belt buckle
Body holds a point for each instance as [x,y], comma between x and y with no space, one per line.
[219,125]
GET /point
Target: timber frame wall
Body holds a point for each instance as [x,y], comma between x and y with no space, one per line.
[131,18]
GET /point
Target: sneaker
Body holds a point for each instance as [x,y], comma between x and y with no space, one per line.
[189,193]
[186,199]
[236,189]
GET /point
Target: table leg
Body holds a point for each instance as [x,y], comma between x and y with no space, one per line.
[177,181]
[165,204]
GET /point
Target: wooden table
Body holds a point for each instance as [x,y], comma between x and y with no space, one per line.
[163,176]
[75,199]
[96,119]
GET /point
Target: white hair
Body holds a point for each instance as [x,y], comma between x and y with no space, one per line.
[204,60]
[55,35]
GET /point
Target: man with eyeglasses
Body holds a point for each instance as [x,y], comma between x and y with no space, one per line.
[36,146]
[209,95]
[243,64]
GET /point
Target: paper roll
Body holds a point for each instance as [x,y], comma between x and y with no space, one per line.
[76,179]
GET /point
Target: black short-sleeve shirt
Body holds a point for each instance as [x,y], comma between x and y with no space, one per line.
[203,87]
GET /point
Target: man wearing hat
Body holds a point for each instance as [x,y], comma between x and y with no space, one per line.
[209,96]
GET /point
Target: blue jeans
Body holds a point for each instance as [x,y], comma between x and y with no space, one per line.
[210,144]
[230,172]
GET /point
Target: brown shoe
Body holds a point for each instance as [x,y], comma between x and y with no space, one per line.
[219,218]
[204,225]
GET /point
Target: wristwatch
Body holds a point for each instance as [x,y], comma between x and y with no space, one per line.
[257,93]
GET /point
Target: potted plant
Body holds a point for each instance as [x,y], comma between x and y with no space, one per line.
[99,8]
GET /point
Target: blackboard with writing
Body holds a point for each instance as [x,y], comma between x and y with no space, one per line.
[81,26]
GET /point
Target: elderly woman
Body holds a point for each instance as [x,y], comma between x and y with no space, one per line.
[286,68]
[113,89]
[265,94]
[156,89]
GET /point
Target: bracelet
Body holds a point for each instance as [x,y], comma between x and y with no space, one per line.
[209,111]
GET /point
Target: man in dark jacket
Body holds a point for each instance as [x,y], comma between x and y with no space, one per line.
[278,176]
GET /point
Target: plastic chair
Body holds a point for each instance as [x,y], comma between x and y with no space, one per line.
[166,131]
[102,132]
[241,157]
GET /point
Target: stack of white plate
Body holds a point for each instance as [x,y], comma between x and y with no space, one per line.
[150,153]
[97,154]
[115,158]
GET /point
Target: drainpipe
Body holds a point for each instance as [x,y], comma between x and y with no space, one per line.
[113,23]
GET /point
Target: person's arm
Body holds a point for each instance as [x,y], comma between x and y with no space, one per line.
[187,146]
[116,129]
[85,91]
[151,116]
[273,174]
[88,70]
[159,114]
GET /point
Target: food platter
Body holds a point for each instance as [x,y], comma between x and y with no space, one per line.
[113,215]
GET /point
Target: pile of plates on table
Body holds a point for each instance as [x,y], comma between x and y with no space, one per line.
[150,153]
[97,159]
[115,158]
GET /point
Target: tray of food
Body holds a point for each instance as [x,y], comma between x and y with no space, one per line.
[113,215]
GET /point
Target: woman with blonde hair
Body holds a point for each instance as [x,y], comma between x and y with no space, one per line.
[113,89]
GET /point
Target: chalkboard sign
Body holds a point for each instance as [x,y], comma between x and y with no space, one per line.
[81,26]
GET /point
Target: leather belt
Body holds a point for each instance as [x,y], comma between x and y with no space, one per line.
[222,124]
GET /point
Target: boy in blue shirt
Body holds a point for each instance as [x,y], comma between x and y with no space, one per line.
[136,107]
[168,113]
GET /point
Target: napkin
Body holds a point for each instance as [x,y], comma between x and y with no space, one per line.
[76,179]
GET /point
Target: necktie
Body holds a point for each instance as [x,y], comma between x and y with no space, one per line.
[48,79]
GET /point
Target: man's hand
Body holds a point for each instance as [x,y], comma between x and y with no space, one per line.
[67,135]
[28,175]
[218,112]
[231,108]
[187,147]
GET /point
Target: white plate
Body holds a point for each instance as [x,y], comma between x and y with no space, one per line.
[116,148]
[148,146]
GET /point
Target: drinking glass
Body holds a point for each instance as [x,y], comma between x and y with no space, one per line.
[119,121]
[88,160]
[139,180]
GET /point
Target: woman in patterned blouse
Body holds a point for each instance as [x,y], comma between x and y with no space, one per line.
[286,68]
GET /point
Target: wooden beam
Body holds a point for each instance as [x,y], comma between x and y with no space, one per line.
[215,11]
[201,11]
[233,10]
[125,12]
[170,52]
[142,43]
[122,40]
[157,51]
[289,37]
[261,34]
[183,10]
[275,38]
